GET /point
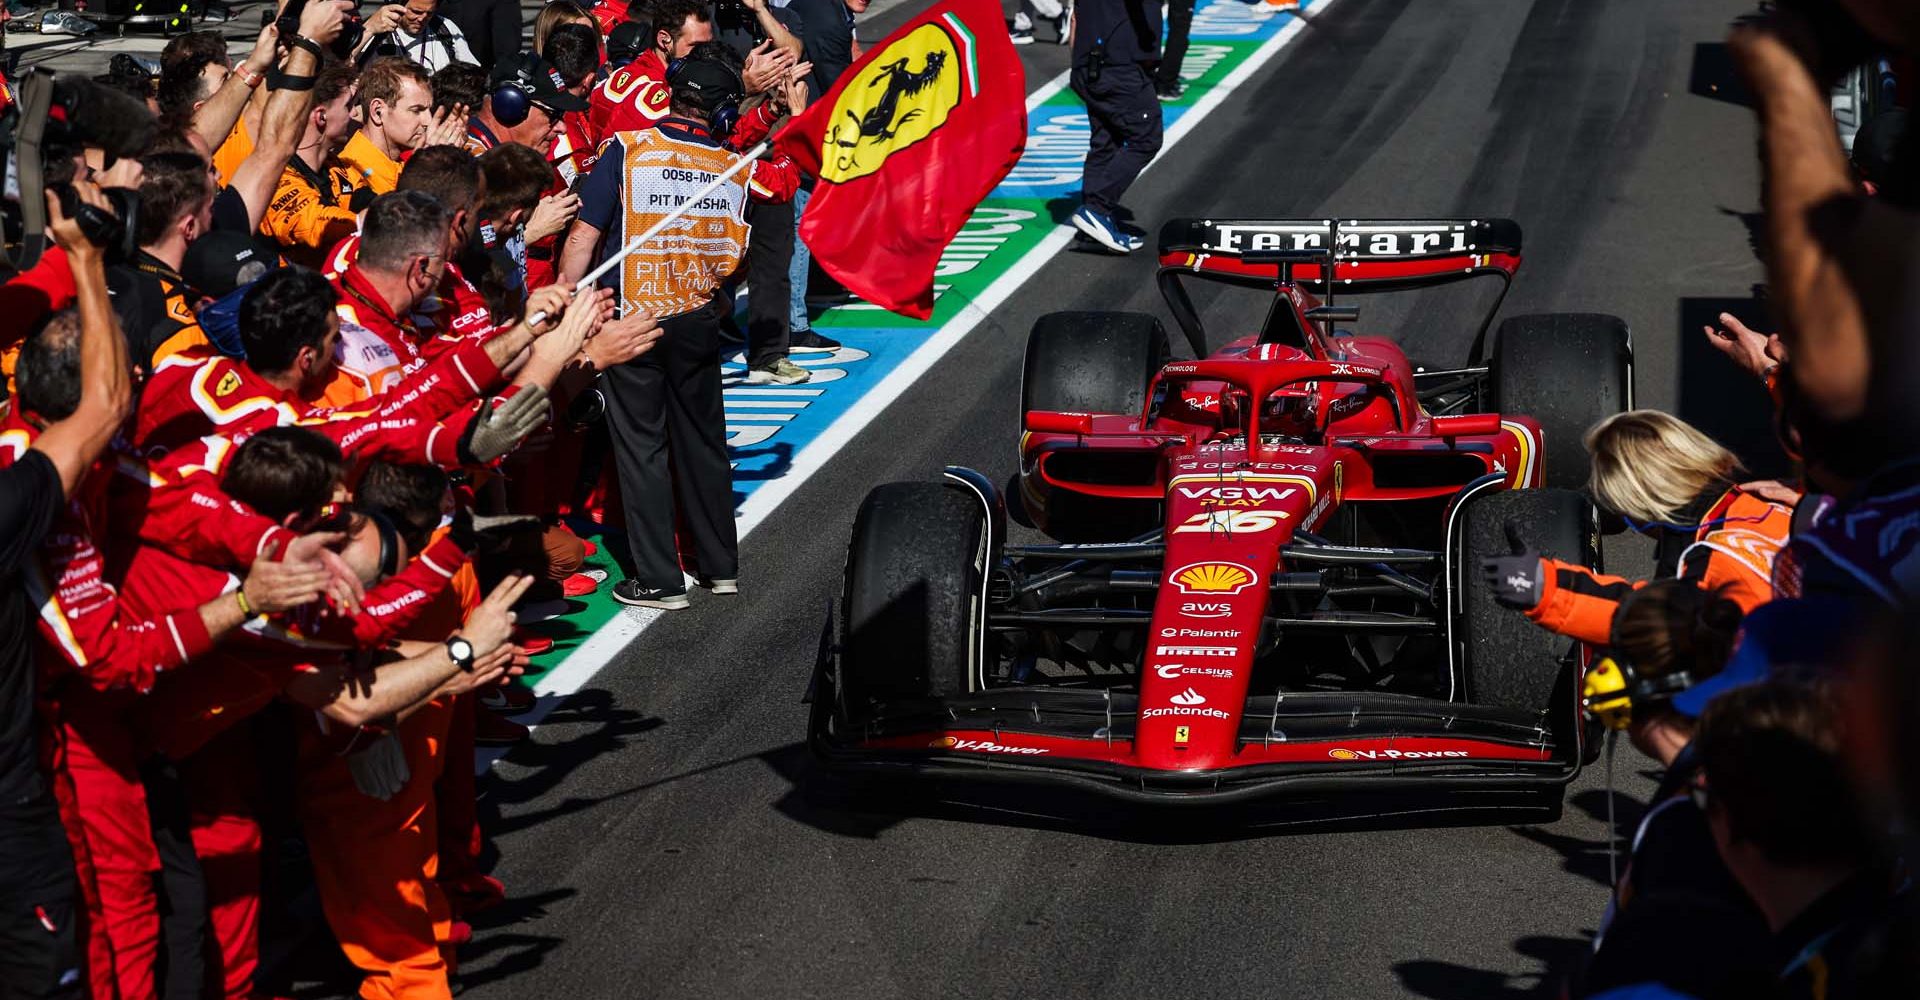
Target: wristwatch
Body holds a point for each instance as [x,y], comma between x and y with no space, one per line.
[462,652]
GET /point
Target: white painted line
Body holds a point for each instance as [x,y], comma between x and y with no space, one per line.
[587,660]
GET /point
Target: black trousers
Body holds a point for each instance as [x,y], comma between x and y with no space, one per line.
[1127,131]
[40,951]
[185,934]
[769,287]
[670,448]
[1179,27]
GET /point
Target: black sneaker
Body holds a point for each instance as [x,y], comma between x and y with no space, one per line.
[630,592]
[809,340]
[1170,91]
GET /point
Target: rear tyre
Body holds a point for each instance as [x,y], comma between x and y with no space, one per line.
[1568,371]
[1091,362]
[1508,661]
[912,605]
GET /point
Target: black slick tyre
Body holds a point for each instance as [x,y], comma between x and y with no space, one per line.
[1568,371]
[1506,660]
[912,605]
[1091,362]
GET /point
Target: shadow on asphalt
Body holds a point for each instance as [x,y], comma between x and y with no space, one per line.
[866,807]
[1449,981]
[605,728]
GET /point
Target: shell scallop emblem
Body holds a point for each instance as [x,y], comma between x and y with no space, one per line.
[1343,754]
[1212,578]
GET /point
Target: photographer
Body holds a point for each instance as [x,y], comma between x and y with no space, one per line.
[415,31]
[39,897]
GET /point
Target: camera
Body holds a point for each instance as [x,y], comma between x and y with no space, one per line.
[288,24]
[60,119]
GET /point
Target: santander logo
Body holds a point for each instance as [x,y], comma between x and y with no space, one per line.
[1188,697]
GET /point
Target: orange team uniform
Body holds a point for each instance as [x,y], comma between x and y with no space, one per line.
[234,151]
[376,862]
[1733,552]
[311,210]
[364,160]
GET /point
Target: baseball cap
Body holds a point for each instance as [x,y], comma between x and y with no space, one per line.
[544,84]
[704,83]
[224,260]
[625,43]
[1791,635]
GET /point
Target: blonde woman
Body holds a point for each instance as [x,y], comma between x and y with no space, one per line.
[555,14]
[1668,480]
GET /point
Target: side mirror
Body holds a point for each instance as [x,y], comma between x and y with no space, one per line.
[1467,425]
[1059,422]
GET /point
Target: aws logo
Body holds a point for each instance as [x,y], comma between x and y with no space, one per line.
[904,95]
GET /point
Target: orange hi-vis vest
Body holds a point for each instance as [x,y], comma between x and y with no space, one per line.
[679,270]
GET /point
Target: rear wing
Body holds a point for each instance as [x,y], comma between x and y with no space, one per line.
[1364,255]
[1369,255]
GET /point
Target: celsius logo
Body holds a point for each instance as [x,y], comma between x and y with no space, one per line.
[1344,754]
[984,746]
[1195,651]
[1206,609]
[1174,671]
[1188,697]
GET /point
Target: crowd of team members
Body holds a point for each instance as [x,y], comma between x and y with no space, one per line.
[285,485]
[1767,664]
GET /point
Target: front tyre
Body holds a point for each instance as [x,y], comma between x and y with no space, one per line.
[913,622]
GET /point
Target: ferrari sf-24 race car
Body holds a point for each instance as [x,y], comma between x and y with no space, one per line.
[1267,570]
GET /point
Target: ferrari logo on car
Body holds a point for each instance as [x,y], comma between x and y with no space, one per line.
[1212,578]
[904,95]
[1180,734]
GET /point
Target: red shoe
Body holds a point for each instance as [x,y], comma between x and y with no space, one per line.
[534,644]
[494,730]
[592,549]
[461,933]
[579,585]
[475,893]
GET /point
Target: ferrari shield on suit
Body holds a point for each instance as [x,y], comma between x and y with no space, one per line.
[904,148]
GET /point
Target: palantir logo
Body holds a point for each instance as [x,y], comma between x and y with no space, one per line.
[1189,697]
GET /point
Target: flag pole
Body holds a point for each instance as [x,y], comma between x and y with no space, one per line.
[654,230]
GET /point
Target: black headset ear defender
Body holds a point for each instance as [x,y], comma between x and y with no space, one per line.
[726,115]
[513,97]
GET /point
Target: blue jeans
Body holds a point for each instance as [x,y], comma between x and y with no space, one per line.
[798,268]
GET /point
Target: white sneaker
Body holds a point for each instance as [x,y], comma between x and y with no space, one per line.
[1022,31]
[720,587]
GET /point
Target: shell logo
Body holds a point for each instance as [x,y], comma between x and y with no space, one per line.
[1212,578]
[1343,755]
[945,742]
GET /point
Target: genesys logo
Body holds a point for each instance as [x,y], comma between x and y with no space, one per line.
[1205,609]
[1342,753]
[1212,578]
[1181,632]
[983,746]
[1175,671]
[1196,651]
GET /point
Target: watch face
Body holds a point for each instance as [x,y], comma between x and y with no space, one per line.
[460,649]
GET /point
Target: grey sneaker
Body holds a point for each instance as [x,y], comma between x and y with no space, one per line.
[779,371]
[1064,23]
[62,22]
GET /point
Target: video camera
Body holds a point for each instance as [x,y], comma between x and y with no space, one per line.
[60,118]
[288,24]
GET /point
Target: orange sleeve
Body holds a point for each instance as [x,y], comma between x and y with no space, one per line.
[1578,603]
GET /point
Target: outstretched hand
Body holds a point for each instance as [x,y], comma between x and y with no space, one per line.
[1518,580]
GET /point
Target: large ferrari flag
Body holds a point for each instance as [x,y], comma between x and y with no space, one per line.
[905,145]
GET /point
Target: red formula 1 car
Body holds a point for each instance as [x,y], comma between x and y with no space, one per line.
[1267,576]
